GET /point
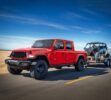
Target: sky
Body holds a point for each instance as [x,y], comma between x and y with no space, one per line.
[24,21]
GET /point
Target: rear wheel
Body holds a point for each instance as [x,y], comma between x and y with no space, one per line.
[80,66]
[13,70]
[39,71]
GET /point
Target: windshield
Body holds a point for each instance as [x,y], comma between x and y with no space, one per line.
[43,43]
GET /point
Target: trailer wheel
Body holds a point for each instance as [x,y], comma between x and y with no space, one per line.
[80,66]
[108,63]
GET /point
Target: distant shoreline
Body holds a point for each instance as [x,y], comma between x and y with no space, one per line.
[4,50]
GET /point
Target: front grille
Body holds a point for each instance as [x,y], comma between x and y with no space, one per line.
[18,54]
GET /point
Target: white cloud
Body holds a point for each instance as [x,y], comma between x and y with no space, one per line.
[85,30]
[89,11]
[80,45]
[33,21]
[76,15]
[109,25]
[12,42]
[109,44]
[77,27]
[90,31]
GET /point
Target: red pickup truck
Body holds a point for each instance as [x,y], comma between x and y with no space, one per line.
[45,54]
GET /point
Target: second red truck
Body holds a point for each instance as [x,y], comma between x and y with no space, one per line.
[44,54]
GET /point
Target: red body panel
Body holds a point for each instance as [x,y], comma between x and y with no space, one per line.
[55,57]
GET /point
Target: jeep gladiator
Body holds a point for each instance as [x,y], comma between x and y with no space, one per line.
[45,54]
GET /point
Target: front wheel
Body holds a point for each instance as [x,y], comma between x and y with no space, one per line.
[40,70]
[80,66]
[13,70]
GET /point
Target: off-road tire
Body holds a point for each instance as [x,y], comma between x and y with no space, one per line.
[80,66]
[108,63]
[40,69]
[13,70]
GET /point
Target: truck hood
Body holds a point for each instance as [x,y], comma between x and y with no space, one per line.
[31,49]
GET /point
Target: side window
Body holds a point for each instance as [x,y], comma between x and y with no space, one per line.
[68,45]
[59,45]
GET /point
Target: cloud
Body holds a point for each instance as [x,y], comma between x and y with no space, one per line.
[77,27]
[108,25]
[80,45]
[89,11]
[85,30]
[12,42]
[33,21]
[75,15]
[109,45]
[91,31]
[82,15]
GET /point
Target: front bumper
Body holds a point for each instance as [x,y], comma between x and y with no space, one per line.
[19,63]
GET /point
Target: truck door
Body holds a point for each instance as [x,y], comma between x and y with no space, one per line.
[69,52]
[59,53]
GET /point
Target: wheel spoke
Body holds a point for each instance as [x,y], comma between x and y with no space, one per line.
[40,69]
